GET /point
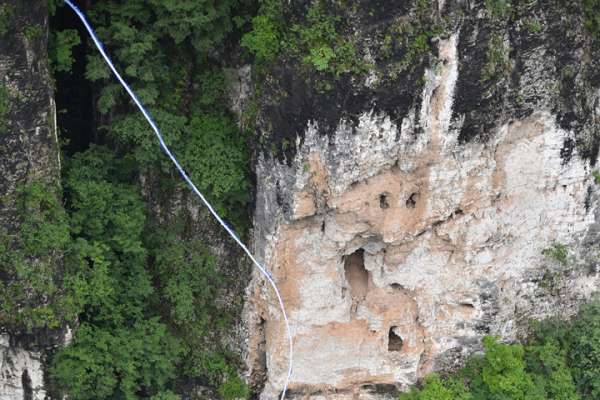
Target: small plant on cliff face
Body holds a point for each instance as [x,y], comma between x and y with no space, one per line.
[234,388]
[5,14]
[498,9]
[4,108]
[60,49]
[497,62]
[592,16]
[596,175]
[435,388]
[263,41]
[532,24]
[568,72]
[558,252]
[32,32]
[322,46]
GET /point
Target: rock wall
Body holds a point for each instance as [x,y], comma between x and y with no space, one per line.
[398,243]
[28,152]
[21,372]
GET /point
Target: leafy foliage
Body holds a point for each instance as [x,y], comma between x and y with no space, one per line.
[117,363]
[32,294]
[165,46]
[60,49]
[547,362]
[560,361]
[321,44]
[32,32]
[558,252]
[501,374]
[215,155]
[436,389]
[5,14]
[120,349]
[584,350]
[316,41]
[53,5]
[234,388]
[144,291]
[498,9]
[264,39]
[592,14]
[497,63]
[4,108]
[134,337]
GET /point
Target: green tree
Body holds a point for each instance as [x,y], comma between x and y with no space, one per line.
[60,49]
[121,348]
[116,362]
[551,374]
[584,351]
[32,290]
[500,374]
[436,389]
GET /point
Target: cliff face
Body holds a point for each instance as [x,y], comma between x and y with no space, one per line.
[28,153]
[406,221]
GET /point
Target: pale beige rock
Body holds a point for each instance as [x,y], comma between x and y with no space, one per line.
[399,253]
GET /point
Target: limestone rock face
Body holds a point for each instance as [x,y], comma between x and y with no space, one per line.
[397,244]
[28,152]
[21,373]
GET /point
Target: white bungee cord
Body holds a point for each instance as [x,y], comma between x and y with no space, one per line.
[187,179]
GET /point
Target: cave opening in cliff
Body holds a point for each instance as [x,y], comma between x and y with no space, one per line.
[411,202]
[395,341]
[357,277]
[74,92]
[383,200]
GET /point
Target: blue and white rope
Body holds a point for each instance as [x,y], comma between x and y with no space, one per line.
[187,179]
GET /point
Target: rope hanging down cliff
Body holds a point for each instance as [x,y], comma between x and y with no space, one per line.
[187,179]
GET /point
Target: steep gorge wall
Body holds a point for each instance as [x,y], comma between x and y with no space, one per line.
[400,239]
[28,153]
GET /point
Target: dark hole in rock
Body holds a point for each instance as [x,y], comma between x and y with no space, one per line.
[262,352]
[383,201]
[395,342]
[468,305]
[356,274]
[411,202]
[323,226]
[458,211]
[397,286]
[27,389]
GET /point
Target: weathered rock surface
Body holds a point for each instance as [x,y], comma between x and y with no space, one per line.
[398,243]
[28,152]
[21,373]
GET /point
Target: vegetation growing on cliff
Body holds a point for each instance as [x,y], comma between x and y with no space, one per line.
[142,284]
[60,49]
[5,12]
[4,107]
[140,288]
[33,289]
[592,14]
[560,361]
[317,40]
